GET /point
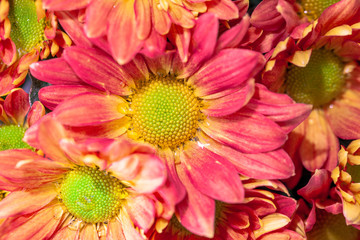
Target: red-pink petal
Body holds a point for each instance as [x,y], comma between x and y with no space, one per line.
[51,96]
[90,109]
[230,103]
[318,185]
[228,69]
[145,172]
[271,165]
[211,174]
[55,71]
[36,111]
[98,69]
[197,211]
[17,105]
[246,131]
[122,34]
[97,13]
[141,210]
[61,5]
[28,201]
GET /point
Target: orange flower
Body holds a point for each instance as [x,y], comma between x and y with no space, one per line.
[27,32]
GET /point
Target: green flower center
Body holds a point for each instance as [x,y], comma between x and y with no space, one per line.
[11,137]
[332,227]
[354,171]
[92,195]
[314,8]
[165,112]
[319,82]
[26,30]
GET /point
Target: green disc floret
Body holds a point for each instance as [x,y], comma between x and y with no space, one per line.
[314,8]
[165,112]
[92,195]
[319,82]
[11,137]
[26,30]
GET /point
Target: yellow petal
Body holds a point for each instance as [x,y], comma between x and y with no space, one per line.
[272,222]
[343,30]
[301,58]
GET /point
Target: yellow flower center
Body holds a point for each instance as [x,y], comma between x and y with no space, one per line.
[165,112]
[26,31]
[92,195]
[332,227]
[319,82]
[11,137]
[314,8]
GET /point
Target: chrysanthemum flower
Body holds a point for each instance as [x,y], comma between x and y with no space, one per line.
[96,188]
[27,33]
[206,118]
[134,25]
[13,111]
[346,177]
[263,215]
[318,65]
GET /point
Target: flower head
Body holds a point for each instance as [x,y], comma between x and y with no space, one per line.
[134,26]
[205,118]
[95,187]
[27,33]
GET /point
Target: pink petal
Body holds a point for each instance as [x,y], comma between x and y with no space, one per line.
[232,37]
[55,71]
[17,105]
[51,96]
[144,172]
[90,109]
[37,110]
[24,202]
[129,230]
[122,34]
[154,45]
[211,174]
[49,140]
[97,14]
[61,5]
[223,9]
[318,185]
[197,211]
[203,41]
[143,18]
[230,103]
[228,69]
[141,211]
[270,165]
[266,16]
[15,165]
[100,70]
[245,131]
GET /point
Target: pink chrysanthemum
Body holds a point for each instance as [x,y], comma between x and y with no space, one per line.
[13,111]
[142,24]
[96,188]
[206,117]
[27,32]
[318,65]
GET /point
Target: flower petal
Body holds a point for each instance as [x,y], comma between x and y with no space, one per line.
[197,211]
[90,109]
[228,69]
[98,69]
[61,5]
[20,203]
[223,9]
[97,13]
[141,210]
[245,131]
[270,165]
[211,174]
[17,105]
[129,230]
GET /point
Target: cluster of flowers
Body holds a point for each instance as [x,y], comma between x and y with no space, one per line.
[180,119]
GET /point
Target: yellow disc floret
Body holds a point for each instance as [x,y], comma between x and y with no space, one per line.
[26,31]
[319,82]
[314,8]
[165,112]
[92,195]
[11,137]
